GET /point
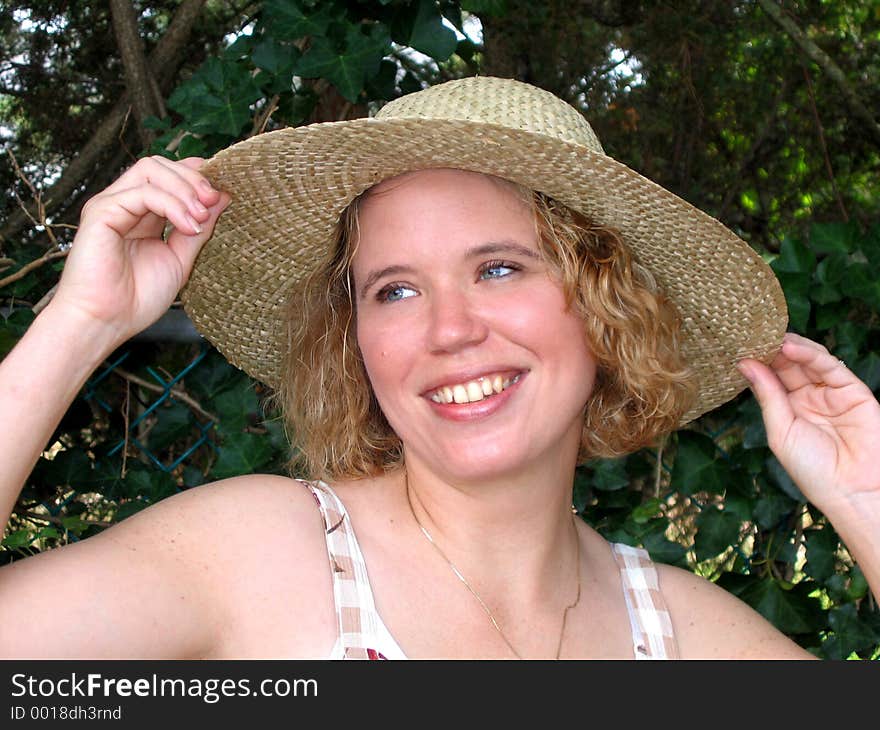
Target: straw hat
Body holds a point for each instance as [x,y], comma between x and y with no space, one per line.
[289,186]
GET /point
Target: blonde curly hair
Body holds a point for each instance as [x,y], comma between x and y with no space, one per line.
[642,387]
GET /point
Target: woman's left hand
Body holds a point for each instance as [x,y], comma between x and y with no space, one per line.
[823,424]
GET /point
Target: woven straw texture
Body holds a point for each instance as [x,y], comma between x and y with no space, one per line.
[290,186]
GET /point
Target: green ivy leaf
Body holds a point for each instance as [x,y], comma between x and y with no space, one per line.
[419,25]
[832,314]
[850,631]
[174,422]
[791,610]
[861,283]
[384,84]
[70,467]
[646,511]
[717,530]
[217,98]
[275,58]
[867,369]
[191,146]
[349,68]
[822,547]
[869,245]
[75,524]
[850,340]
[754,433]
[741,505]
[609,475]
[17,539]
[833,237]
[829,273]
[289,20]
[661,548]
[192,477]
[235,407]
[696,467]
[771,508]
[240,48]
[858,586]
[797,288]
[13,327]
[241,453]
[582,494]
[214,375]
[781,479]
[794,258]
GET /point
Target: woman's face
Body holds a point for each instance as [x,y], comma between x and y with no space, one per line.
[474,358]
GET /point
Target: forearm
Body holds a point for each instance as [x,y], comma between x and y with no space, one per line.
[859,527]
[39,379]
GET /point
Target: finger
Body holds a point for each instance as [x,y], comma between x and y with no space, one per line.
[772,396]
[188,168]
[802,362]
[187,248]
[180,179]
[123,211]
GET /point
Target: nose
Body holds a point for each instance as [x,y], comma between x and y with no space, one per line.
[454,323]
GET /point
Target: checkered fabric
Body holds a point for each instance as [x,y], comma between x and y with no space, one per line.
[359,621]
[653,637]
[353,596]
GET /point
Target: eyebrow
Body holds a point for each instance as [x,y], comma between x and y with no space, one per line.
[485,249]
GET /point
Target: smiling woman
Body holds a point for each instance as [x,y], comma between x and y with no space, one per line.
[457,302]
[509,232]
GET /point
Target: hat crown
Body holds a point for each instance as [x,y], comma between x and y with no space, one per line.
[503,102]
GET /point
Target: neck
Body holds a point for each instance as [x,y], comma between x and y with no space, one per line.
[512,533]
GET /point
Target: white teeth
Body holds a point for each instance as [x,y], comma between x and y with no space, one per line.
[474,390]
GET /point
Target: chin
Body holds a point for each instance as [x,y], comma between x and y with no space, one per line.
[479,462]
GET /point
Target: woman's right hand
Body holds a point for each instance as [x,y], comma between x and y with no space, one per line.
[121,274]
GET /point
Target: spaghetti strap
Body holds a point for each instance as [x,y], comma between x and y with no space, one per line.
[355,610]
[653,637]
[361,631]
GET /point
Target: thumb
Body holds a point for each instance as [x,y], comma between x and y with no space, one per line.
[772,396]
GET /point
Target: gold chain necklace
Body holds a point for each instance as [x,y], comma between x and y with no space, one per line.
[476,595]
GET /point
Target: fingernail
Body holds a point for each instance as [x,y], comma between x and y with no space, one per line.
[199,208]
[194,223]
[206,186]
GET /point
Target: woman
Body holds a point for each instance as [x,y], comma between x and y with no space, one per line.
[446,363]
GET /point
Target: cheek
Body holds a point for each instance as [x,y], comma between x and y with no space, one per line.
[379,352]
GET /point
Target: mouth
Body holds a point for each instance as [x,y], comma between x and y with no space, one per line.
[475,390]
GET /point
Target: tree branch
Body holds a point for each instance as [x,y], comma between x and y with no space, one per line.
[176,393]
[858,110]
[138,79]
[164,60]
[35,264]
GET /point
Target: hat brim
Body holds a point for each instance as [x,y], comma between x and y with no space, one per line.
[289,187]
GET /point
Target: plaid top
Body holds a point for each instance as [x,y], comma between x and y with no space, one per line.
[363,634]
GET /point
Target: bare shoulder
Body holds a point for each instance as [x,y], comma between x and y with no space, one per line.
[192,564]
[711,623]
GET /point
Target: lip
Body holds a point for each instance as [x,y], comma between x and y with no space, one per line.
[480,409]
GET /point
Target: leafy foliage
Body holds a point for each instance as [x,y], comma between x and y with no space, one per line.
[709,99]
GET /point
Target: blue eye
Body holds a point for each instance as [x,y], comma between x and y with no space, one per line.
[395,293]
[497,270]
